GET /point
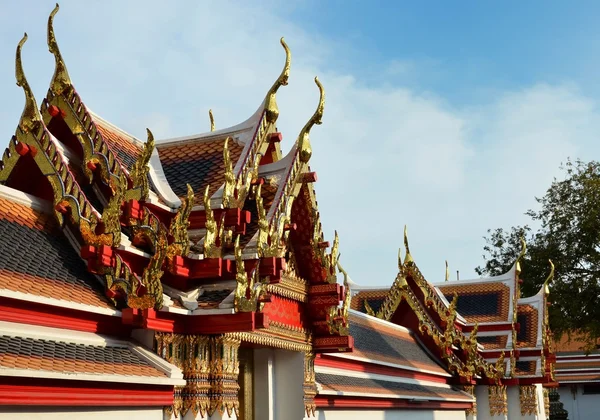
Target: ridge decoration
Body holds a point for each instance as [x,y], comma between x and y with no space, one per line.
[271,109]
[304,146]
[61,80]
[140,170]
[250,294]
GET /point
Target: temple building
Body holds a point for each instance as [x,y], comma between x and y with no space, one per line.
[191,278]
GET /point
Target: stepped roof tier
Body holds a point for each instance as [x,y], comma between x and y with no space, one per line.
[503,328]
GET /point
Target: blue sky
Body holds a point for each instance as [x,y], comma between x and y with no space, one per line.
[446,116]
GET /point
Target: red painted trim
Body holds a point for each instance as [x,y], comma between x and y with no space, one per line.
[357,366]
[13,310]
[335,401]
[58,392]
[521,353]
[582,358]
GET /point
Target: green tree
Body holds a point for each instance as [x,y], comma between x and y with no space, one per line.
[568,233]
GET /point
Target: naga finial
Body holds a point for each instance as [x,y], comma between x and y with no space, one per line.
[230,184]
[521,255]
[30,118]
[447,272]
[408,258]
[139,171]
[212,120]
[549,278]
[303,138]
[271,101]
[61,79]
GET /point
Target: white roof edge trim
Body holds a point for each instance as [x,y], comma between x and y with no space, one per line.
[376,376]
[157,362]
[508,276]
[14,329]
[159,180]
[58,302]
[150,380]
[133,139]
[25,199]
[467,398]
[379,321]
[254,118]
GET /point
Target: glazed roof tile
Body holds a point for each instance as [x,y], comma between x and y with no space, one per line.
[198,163]
[527,317]
[212,298]
[525,368]
[375,340]
[493,342]
[37,259]
[357,385]
[35,354]
[375,299]
[480,302]
[126,149]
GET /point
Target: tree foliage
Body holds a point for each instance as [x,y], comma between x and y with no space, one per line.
[568,233]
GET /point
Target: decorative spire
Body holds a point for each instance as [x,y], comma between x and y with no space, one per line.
[212,120]
[408,258]
[210,239]
[549,278]
[348,297]
[447,271]
[229,188]
[61,79]
[521,255]
[139,171]
[271,101]
[399,259]
[248,292]
[304,138]
[30,118]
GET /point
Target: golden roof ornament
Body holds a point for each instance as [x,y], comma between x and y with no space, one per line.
[229,188]
[211,250]
[179,227]
[30,118]
[304,147]
[153,272]
[61,80]
[139,171]
[447,272]
[212,120]
[271,108]
[521,255]
[247,292]
[348,297]
[408,258]
[549,278]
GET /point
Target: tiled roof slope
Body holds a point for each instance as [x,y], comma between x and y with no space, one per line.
[378,342]
[37,259]
[480,302]
[356,385]
[198,163]
[34,354]
[126,150]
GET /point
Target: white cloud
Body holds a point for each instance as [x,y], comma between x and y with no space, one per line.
[386,155]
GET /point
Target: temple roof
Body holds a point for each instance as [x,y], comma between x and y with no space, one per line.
[37,262]
[43,352]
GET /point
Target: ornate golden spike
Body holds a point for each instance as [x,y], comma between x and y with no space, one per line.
[61,79]
[549,278]
[348,297]
[408,258]
[140,169]
[111,216]
[229,188]
[210,239]
[500,366]
[271,108]
[263,223]
[334,257]
[399,259]
[368,308]
[447,272]
[212,120]
[30,118]
[304,136]
[521,255]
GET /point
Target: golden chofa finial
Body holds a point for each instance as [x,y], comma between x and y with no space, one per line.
[408,258]
[447,272]
[304,147]
[549,278]
[61,79]
[521,255]
[212,120]
[30,118]
[271,100]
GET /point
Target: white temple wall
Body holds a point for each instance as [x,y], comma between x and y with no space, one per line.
[579,406]
[81,413]
[278,379]
[389,415]
[483,404]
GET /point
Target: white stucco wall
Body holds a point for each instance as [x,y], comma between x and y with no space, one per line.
[579,406]
[389,415]
[99,413]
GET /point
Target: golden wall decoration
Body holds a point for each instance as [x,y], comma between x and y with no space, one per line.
[470,389]
[309,386]
[498,400]
[528,400]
